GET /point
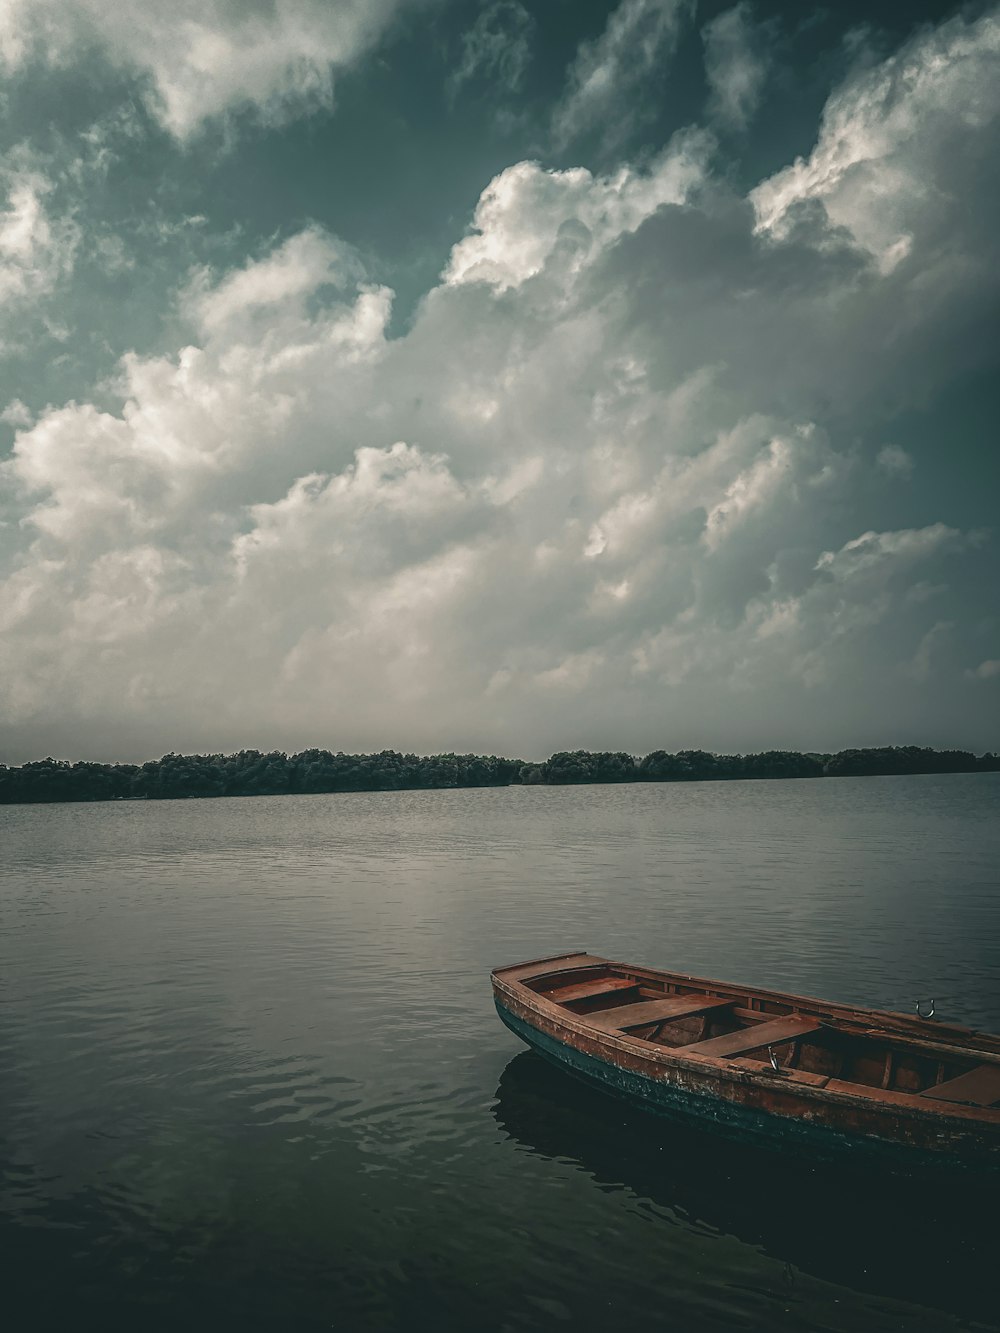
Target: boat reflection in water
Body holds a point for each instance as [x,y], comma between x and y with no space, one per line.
[928,1244]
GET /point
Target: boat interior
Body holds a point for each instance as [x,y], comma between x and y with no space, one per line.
[802,1041]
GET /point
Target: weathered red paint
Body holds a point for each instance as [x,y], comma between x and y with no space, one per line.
[912,1118]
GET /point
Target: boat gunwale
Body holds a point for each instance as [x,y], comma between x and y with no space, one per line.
[663,1059]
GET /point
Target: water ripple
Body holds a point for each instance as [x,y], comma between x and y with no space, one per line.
[249,1058]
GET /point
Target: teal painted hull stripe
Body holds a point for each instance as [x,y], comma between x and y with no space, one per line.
[711,1112]
[656,1095]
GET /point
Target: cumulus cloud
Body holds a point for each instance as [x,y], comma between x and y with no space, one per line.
[527,211]
[303,265]
[193,427]
[16,413]
[203,58]
[893,154]
[606,488]
[604,82]
[736,65]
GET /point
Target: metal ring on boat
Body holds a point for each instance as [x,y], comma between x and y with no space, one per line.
[920,1012]
[774,1060]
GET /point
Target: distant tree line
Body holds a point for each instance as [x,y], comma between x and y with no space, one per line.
[251,773]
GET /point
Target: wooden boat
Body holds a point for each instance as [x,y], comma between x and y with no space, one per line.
[803,1073]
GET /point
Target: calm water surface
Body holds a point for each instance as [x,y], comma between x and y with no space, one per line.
[251,1076]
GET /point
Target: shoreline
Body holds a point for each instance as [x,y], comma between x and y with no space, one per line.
[321,772]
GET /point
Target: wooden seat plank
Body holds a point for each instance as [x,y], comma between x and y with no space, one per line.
[978,1087]
[654,1011]
[773,1033]
[585,990]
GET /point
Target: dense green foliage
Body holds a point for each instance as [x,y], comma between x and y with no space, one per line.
[251,773]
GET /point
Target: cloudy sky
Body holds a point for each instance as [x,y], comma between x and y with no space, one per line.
[500,375]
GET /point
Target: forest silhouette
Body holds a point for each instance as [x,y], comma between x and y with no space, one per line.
[253,773]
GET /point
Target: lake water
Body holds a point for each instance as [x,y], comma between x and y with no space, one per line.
[251,1076]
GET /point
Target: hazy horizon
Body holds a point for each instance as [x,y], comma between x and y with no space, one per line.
[501,377]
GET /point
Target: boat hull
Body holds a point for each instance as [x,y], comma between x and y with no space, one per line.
[745,1109]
